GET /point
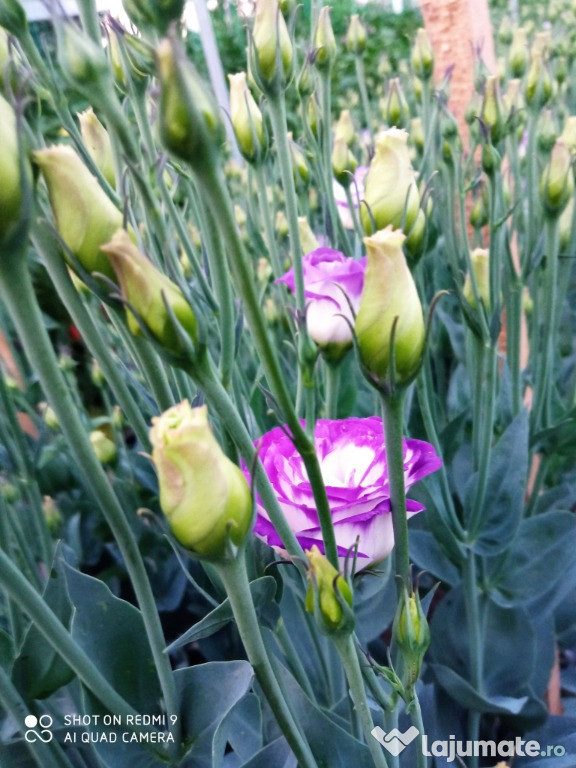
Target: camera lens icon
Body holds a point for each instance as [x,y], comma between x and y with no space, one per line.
[38,728]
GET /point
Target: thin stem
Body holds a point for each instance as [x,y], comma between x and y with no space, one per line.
[416,714]
[332,378]
[475,643]
[90,22]
[293,659]
[349,657]
[235,580]
[361,77]
[393,411]
[354,214]
[18,294]
[266,215]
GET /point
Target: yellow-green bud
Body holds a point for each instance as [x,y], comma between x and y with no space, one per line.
[343,163]
[324,41]
[491,114]
[313,115]
[104,448]
[356,35]
[190,124]
[11,198]
[479,211]
[97,374]
[329,596]
[4,55]
[518,57]
[389,296]
[153,14]
[299,164]
[568,135]
[52,515]
[422,56]
[97,141]
[9,492]
[513,102]
[204,496]
[48,416]
[384,65]
[390,189]
[344,128]
[538,87]
[146,290]
[480,260]
[505,31]
[272,51]
[246,119]
[304,81]
[546,133]
[281,224]
[13,17]
[565,226]
[85,216]
[557,183]
[396,110]
[416,135]
[412,635]
[263,271]
[83,61]
[308,239]
[527,302]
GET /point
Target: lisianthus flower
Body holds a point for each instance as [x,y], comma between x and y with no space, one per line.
[352,458]
[356,193]
[333,286]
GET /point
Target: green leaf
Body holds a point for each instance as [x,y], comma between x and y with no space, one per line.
[263,591]
[469,698]
[505,490]
[112,633]
[277,754]
[242,729]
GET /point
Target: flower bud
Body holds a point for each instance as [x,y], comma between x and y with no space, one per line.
[390,189]
[246,120]
[328,596]
[147,291]
[97,374]
[202,493]
[52,515]
[546,132]
[343,163]
[513,103]
[538,87]
[565,226]
[85,216]
[422,56]
[272,51]
[389,297]
[324,41]
[480,260]
[281,224]
[304,81]
[11,197]
[190,124]
[153,14]
[412,635]
[13,17]
[49,416]
[344,128]
[396,111]
[518,57]
[313,115]
[492,113]
[505,31]
[97,141]
[479,212]
[416,135]
[568,135]
[83,61]
[557,183]
[308,239]
[104,448]
[356,35]
[299,164]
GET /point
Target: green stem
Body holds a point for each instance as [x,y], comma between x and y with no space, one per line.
[235,579]
[475,642]
[293,659]
[332,374]
[354,214]
[90,21]
[416,714]
[18,294]
[393,411]
[59,638]
[361,77]
[266,215]
[349,657]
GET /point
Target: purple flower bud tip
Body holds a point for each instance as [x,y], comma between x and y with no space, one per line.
[352,458]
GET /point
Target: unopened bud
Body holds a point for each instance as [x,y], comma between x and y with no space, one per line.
[329,596]
[247,120]
[344,128]
[356,35]
[412,635]
[422,56]
[538,88]
[557,183]
[505,31]
[52,515]
[12,210]
[13,17]
[82,60]
[396,110]
[299,164]
[324,41]
[272,51]
[153,14]
[546,133]
[97,141]
[104,448]
[343,163]
[480,260]
[492,112]
[518,56]
[416,135]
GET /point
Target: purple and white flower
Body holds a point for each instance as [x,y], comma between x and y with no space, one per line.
[333,286]
[352,458]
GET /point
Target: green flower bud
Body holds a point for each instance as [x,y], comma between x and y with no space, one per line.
[49,416]
[565,226]
[324,41]
[10,492]
[13,17]
[343,163]
[202,493]
[308,239]
[329,596]
[416,135]
[52,515]
[4,55]
[492,112]
[313,114]
[272,51]
[85,216]
[390,189]
[304,81]
[423,56]
[344,128]
[153,14]
[513,103]
[147,290]
[384,66]
[396,111]
[479,212]
[104,448]
[491,159]
[518,56]
[281,224]
[557,182]
[412,635]
[568,135]
[546,133]
[299,164]
[190,124]
[538,88]
[11,198]
[97,141]
[480,259]
[389,296]
[247,120]
[97,374]
[356,35]
[83,62]
[505,31]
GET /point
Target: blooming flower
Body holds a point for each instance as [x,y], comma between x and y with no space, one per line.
[333,285]
[352,458]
